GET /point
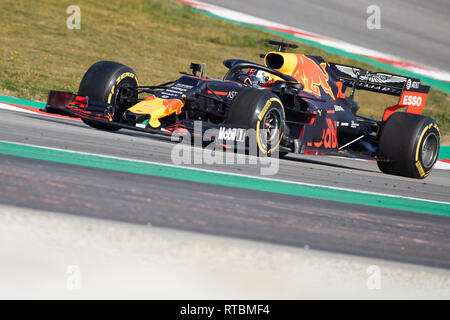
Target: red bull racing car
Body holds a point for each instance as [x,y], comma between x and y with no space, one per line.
[291,103]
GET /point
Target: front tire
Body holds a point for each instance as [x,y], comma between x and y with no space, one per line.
[408,145]
[102,82]
[262,111]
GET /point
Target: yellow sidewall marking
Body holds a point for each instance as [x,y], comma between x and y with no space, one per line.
[437,129]
[260,117]
[418,163]
[122,76]
[420,168]
[111,94]
[420,140]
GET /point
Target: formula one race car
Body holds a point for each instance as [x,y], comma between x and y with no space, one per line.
[292,103]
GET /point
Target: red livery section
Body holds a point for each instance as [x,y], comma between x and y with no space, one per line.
[415,101]
[313,76]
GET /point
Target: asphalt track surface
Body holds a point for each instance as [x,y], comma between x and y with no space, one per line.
[275,218]
[415,30]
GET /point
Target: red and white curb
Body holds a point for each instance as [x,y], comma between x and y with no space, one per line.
[322,40]
[7,106]
[440,164]
[19,108]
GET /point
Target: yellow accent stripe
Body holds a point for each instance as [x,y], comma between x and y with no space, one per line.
[420,140]
[261,115]
[418,163]
[420,168]
[122,76]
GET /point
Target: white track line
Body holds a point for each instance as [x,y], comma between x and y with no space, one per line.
[14,108]
[228,173]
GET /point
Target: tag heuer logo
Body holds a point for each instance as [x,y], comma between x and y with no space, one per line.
[408,84]
[412,84]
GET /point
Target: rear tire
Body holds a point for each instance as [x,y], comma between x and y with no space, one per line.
[262,111]
[102,82]
[408,145]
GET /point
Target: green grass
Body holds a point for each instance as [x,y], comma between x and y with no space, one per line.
[156,38]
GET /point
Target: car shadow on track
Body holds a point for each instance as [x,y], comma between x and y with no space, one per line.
[146,135]
[301,159]
[80,124]
[137,134]
[65,121]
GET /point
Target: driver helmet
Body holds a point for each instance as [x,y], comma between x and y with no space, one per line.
[259,78]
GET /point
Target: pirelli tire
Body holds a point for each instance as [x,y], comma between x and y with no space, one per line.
[408,145]
[102,82]
[262,111]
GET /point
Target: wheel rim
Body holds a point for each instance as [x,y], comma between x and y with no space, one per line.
[429,150]
[127,82]
[271,125]
[120,108]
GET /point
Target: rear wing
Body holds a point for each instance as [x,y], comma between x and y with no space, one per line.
[412,93]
